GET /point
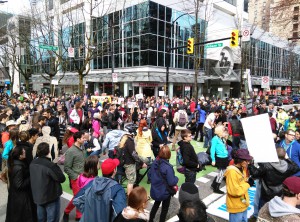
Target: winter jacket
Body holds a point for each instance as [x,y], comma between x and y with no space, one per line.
[47,177]
[20,206]
[143,144]
[202,115]
[51,140]
[218,148]
[272,176]
[189,156]
[8,146]
[96,198]
[293,152]
[96,128]
[158,137]
[236,127]
[74,162]
[82,180]
[158,190]
[176,119]
[237,197]
[112,139]
[130,155]
[278,211]
[75,118]
[53,123]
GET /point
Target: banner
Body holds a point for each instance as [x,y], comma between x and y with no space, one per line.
[100,99]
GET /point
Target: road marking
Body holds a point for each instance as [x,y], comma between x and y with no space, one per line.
[173,219]
[67,196]
[203,180]
[213,174]
[213,197]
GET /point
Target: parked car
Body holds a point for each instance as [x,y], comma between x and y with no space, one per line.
[295,98]
[276,100]
[286,100]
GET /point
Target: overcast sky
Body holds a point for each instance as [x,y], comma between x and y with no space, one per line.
[14,6]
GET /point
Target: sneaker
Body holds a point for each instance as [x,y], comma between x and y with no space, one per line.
[66,217]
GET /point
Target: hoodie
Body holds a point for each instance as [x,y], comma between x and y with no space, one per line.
[112,139]
[82,180]
[95,199]
[278,211]
[143,144]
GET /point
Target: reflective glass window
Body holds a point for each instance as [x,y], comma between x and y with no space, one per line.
[153,26]
[135,28]
[180,61]
[136,44]
[144,42]
[162,12]
[153,58]
[161,59]
[128,30]
[128,14]
[143,10]
[161,43]
[128,44]
[144,25]
[168,14]
[144,58]
[136,59]
[161,28]
[128,59]
[153,7]
[153,42]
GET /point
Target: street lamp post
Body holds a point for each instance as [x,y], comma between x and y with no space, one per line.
[169,51]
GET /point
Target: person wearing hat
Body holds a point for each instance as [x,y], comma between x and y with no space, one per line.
[237,185]
[180,120]
[105,191]
[284,208]
[96,125]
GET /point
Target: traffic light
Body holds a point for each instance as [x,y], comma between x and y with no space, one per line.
[234,40]
[190,46]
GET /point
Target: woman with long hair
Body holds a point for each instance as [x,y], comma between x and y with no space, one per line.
[136,209]
[77,115]
[143,140]
[68,137]
[20,206]
[91,166]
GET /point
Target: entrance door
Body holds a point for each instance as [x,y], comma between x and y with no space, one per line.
[148,91]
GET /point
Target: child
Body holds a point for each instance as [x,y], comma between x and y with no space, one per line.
[91,166]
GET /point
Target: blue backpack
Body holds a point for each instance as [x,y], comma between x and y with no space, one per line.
[179,161]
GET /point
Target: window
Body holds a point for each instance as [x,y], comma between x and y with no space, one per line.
[296,18]
[295,34]
[50,4]
[295,27]
[296,9]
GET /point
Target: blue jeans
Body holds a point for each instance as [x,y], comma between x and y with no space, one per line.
[257,198]
[238,217]
[95,153]
[49,212]
[208,137]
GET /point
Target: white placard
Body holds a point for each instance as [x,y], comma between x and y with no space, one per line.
[54,81]
[220,89]
[265,82]
[246,34]
[139,96]
[161,93]
[120,100]
[260,140]
[71,52]
[187,88]
[114,77]
[86,86]
[249,80]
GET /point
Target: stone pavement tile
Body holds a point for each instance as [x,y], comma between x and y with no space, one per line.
[3,200]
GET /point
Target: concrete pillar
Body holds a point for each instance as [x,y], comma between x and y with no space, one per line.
[96,87]
[125,89]
[156,91]
[170,90]
[140,90]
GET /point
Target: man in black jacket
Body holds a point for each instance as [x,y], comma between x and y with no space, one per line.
[52,121]
[46,180]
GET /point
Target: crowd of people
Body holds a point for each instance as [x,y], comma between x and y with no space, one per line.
[38,132]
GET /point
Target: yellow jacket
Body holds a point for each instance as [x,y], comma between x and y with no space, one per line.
[237,198]
[143,144]
[282,117]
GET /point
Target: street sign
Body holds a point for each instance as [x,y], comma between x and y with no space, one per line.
[265,82]
[187,88]
[48,47]
[54,82]
[220,89]
[213,45]
[71,52]
[114,77]
[246,34]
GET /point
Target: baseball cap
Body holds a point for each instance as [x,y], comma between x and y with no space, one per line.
[293,184]
[11,123]
[74,130]
[109,165]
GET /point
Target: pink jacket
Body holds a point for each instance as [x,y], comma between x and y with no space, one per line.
[96,127]
[82,180]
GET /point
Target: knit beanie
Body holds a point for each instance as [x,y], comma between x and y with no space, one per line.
[188,191]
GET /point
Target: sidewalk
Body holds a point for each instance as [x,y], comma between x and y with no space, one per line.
[3,200]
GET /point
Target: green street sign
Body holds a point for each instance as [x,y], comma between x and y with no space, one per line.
[48,47]
[213,45]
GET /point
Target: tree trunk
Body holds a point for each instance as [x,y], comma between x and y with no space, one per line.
[51,86]
[80,76]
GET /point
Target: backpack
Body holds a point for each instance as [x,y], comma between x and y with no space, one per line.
[120,155]
[179,161]
[182,120]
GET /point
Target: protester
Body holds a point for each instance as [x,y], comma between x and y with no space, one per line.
[219,157]
[20,206]
[47,177]
[162,178]
[91,166]
[143,141]
[200,118]
[101,195]
[180,120]
[136,210]
[74,166]
[189,157]
[77,115]
[159,136]
[208,127]
[237,185]
[68,137]
[284,208]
